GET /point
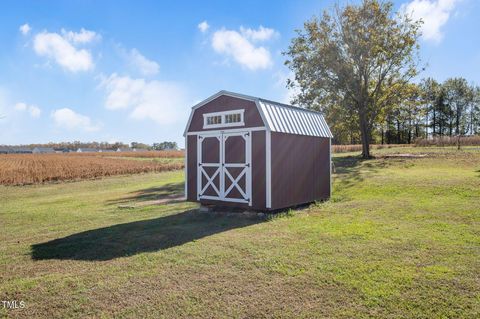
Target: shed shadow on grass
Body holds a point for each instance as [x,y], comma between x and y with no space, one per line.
[129,239]
[165,194]
[348,169]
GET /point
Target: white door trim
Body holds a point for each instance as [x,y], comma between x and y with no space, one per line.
[222,169]
[185,167]
[330,162]
[247,169]
[268,168]
[201,172]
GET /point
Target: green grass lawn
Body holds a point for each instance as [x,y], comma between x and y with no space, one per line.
[399,239]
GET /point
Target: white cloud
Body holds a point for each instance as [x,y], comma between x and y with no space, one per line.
[434,14]
[25,29]
[69,119]
[20,106]
[238,45]
[162,102]
[203,26]
[84,36]
[122,92]
[144,65]
[261,34]
[61,50]
[33,110]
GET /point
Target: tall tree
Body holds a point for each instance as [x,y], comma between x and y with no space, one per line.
[474,111]
[429,93]
[363,55]
[458,98]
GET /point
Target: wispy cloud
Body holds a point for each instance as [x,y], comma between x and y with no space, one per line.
[84,36]
[203,26]
[434,14]
[142,64]
[25,29]
[33,110]
[71,120]
[260,34]
[160,101]
[240,46]
[62,49]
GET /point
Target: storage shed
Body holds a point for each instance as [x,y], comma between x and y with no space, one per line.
[253,153]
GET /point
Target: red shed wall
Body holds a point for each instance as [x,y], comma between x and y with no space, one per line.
[258,170]
[300,169]
[258,173]
[252,117]
[191,168]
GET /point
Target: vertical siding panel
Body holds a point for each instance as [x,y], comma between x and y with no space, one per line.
[299,169]
[258,170]
[192,168]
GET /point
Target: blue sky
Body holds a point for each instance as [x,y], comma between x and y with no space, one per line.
[130,70]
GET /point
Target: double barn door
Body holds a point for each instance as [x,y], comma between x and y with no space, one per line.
[224,167]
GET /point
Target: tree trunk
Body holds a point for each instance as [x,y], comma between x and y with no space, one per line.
[457,121]
[364,132]
[398,132]
[426,124]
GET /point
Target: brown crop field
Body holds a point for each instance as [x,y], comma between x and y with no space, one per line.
[21,169]
[473,140]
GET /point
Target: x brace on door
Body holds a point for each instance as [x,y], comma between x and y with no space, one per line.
[210,181]
[222,192]
[235,183]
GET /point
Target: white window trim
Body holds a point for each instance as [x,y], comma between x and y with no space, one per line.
[223,114]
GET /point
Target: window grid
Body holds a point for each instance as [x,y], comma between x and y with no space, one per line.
[216,119]
[219,120]
[233,118]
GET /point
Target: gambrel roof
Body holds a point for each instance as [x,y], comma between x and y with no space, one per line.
[279,117]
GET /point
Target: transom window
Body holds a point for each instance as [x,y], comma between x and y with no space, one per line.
[221,119]
[233,118]
[216,119]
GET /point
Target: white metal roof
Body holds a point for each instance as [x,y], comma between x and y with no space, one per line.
[279,117]
[293,120]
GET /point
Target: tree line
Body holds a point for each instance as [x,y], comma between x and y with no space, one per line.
[428,109]
[357,65]
[105,145]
